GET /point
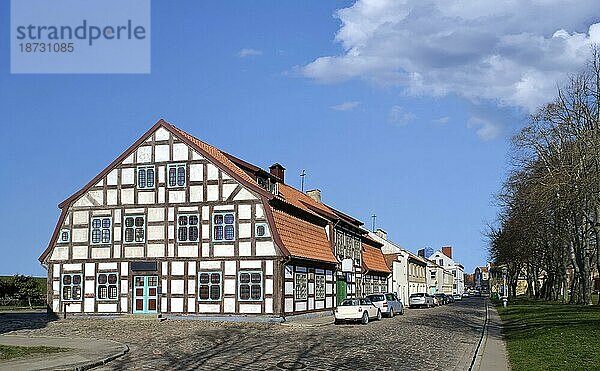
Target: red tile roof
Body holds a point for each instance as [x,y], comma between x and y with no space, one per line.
[303,239]
[373,259]
[299,199]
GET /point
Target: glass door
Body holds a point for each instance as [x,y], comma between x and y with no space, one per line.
[145,294]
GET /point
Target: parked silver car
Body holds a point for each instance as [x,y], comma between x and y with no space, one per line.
[420,299]
[388,303]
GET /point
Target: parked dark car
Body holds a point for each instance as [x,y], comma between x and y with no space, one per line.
[442,298]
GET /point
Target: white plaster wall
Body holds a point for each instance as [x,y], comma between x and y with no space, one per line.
[228,190]
[196,172]
[127,176]
[250,308]
[101,252]
[176,305]
[161,153]
[180,152]
[223,250]
[229,305]
[187,251]
[265,248]
[210,264]
[177,286]
[144,154]
[209,308]
[177,268]
[212,192]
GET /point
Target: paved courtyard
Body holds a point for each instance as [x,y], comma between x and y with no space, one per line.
[442,338]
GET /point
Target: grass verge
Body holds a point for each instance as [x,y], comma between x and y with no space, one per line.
[12,351]
[551,336]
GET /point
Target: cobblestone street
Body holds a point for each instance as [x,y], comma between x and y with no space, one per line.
[441,338]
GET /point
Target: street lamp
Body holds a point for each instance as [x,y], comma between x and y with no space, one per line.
[504,288]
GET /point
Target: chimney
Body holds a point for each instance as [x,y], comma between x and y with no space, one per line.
[277,170]
[315,194]
[447,250]
[381,233]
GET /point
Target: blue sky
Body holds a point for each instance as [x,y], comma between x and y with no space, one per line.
[382,124]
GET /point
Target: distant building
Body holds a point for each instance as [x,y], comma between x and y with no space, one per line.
[444,259]
[425,252]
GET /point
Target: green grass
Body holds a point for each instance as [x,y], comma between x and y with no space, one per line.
[551,336]
[11,351]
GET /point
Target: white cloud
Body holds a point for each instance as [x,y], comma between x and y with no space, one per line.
[399,116]
[510,52]
[345,106]
[441,120]
[248,52]
[485,128]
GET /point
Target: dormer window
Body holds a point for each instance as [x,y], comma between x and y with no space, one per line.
[267,184]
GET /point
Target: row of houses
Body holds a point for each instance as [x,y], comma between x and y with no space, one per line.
[177,226]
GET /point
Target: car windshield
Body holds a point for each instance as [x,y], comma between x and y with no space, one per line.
[365,302]
[376,297]
[349,302]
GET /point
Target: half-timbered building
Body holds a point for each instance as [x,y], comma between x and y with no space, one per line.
[176,226]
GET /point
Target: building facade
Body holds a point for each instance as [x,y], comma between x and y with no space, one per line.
[444,259]
[176,226]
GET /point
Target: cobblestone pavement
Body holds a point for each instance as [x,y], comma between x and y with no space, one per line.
[442,338]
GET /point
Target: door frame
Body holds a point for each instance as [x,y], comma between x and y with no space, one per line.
[145,296]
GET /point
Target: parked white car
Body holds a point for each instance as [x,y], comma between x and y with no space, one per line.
[388,304]
[360,309]
[420,299]
[457,297]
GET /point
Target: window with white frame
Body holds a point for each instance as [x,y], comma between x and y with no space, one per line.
[262,230]
[187,227]
[319,287]
[107,286]
[134,229]
[64,236]
[250,285]
[71,287]
[146,178]
[223,226]
[101,230]
[300,286]
[176,175]
[209,286]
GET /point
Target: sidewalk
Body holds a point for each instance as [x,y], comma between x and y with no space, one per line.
[85,353]
[492,354]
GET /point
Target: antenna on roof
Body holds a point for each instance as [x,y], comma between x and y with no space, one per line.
[374,219]
[302,180]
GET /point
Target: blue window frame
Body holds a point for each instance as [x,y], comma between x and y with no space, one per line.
[107,286]
[209,286]
[176,175]
[101,230]
[261,230]
[188,227]
[65,236]
[146,177]
[250,285]
[223,226]
[134,229]
[71,287]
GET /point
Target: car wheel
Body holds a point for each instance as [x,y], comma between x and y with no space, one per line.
[365,318]
[378,315]
[391,312]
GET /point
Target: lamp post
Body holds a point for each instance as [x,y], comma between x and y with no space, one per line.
[504,288]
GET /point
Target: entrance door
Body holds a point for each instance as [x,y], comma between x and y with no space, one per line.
[341,291]
[145,294]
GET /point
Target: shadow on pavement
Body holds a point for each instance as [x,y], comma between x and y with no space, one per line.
[24,320]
